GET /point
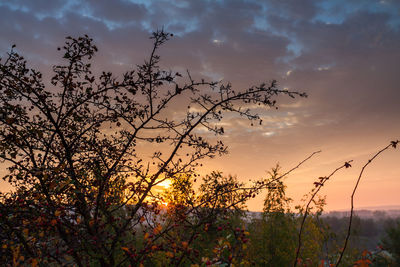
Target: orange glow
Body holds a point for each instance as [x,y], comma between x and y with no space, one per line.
[166,184]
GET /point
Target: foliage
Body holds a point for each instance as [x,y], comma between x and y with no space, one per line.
[85,153]
[273,236]
[276,200]
[391,242]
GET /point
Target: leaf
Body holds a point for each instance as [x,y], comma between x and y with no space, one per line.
[146,236]
[125,249]
[363,263]
[394,143]
[158,229]
[34,262]
[365,253]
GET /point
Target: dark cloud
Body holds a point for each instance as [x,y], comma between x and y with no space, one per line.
[39,7]
[292,9]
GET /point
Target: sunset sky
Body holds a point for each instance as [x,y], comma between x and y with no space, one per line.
[344,54]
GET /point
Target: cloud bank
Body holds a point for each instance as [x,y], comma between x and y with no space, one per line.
[344,54]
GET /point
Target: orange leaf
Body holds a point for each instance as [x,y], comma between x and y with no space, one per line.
[25,231]
[363,263]
[157,229]
[365,253]
[34,263]
[125,249]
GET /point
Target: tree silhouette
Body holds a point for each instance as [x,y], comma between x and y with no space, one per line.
[75,149]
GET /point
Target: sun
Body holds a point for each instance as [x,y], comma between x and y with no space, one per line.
[166,183]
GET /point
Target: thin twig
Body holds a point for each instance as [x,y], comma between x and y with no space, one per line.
[392,144]
[319,185]
[294,168]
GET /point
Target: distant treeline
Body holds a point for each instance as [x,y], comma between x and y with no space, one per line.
[368,232]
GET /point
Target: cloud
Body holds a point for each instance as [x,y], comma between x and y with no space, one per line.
[344,54]
[348,66]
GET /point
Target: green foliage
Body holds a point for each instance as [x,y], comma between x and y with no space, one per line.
[273,240]
[391,242]
[273,237]
[276,200]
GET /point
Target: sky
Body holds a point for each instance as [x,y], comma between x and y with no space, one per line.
[344,54]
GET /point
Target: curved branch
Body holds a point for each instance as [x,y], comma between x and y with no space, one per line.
[316,190]
[392,144]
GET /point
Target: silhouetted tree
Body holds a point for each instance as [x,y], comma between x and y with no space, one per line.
[76,145]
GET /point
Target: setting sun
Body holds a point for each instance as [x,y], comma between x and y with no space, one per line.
[166,183]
